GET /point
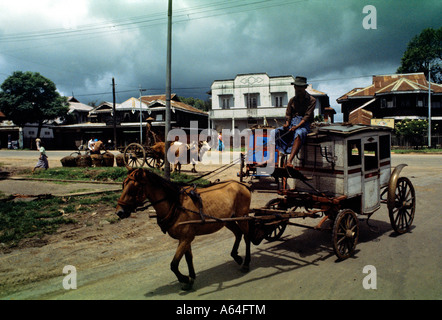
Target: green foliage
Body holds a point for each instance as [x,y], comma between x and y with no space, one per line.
[424,50]
[84,174]
[117,174]
[20,220]
[408,127]
[412,130]
[29,97]
[197,103]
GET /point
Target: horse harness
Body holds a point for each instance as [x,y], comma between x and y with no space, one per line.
[166,222]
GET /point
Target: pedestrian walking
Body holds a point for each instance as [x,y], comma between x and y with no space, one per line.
[43,159]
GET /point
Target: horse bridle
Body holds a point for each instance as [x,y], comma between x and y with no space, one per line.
[138,203]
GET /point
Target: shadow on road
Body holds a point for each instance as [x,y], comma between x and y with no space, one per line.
[308,249]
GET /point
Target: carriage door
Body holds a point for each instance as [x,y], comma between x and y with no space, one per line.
[371,175]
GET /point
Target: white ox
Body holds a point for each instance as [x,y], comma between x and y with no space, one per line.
[191,154]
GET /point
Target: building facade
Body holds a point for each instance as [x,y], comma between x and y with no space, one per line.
[395,96]
[256,99]
[130,121]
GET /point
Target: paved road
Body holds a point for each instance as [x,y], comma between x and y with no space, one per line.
[300,266]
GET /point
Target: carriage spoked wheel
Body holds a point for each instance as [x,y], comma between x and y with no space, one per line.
[345,234]
[134,155]
[152,161]
[279,228]
[403,205]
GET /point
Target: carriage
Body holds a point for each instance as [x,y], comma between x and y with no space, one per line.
[341,172]
[136,155]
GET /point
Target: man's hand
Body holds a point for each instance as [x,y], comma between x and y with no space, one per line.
[294,128]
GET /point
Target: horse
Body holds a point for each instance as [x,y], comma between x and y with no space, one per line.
[175,204]
[191,154]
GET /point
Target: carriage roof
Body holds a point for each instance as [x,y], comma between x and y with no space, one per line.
[349,129]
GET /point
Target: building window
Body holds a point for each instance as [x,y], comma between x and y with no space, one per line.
[225,101]
[159,117]
[252,100]
[421,101]
[390,102]
[226,104]
[278,101]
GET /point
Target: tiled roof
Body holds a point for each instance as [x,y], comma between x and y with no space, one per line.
[393,83]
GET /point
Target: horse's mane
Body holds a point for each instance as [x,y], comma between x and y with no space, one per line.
[172,188]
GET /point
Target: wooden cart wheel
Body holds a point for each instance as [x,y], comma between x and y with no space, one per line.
[279,228]
[402,213]
[345,234]
[152,161]
[276,232]
[134,155]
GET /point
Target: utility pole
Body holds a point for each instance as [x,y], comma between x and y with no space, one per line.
[168,89]
[141,117]
[429,105]
[115,114]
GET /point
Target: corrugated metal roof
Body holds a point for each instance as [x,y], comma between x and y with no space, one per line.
[393,83]
[175,103]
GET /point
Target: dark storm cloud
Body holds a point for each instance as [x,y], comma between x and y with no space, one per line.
[323,40]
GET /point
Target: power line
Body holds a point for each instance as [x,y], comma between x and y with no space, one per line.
[119,25]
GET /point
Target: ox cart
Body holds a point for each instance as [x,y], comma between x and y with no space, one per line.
[136,155]
[341,173]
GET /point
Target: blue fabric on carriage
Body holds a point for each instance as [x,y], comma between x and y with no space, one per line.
[284,139]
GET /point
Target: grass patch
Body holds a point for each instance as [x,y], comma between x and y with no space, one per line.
[20,220]
[412,150]
[114,174]
[83,174]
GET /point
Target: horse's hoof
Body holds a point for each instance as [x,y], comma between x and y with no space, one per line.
[188,286]
[245,269]
[237,259]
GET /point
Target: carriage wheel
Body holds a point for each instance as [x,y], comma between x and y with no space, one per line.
[279,229]
[402,213]
[134,155]
[152,162]
[345,234]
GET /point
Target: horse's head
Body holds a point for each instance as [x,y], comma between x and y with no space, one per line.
[134,193]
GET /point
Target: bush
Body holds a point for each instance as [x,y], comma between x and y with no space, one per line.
[412,131]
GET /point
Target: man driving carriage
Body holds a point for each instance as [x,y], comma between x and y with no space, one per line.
[299,115]
[151,137]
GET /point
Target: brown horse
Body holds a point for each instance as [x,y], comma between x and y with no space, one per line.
[175,205]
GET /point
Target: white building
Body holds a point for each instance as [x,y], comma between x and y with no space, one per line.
[256,98]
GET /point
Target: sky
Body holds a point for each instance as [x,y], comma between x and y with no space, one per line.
[82,44]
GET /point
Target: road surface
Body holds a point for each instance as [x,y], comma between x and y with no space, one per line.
[301,265]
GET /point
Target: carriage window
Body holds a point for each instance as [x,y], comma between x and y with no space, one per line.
[370,156]
[384,147]
[354,152]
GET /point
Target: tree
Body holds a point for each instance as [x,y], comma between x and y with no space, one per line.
[197,103]
[28,97]
[423,51]
[413,131]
